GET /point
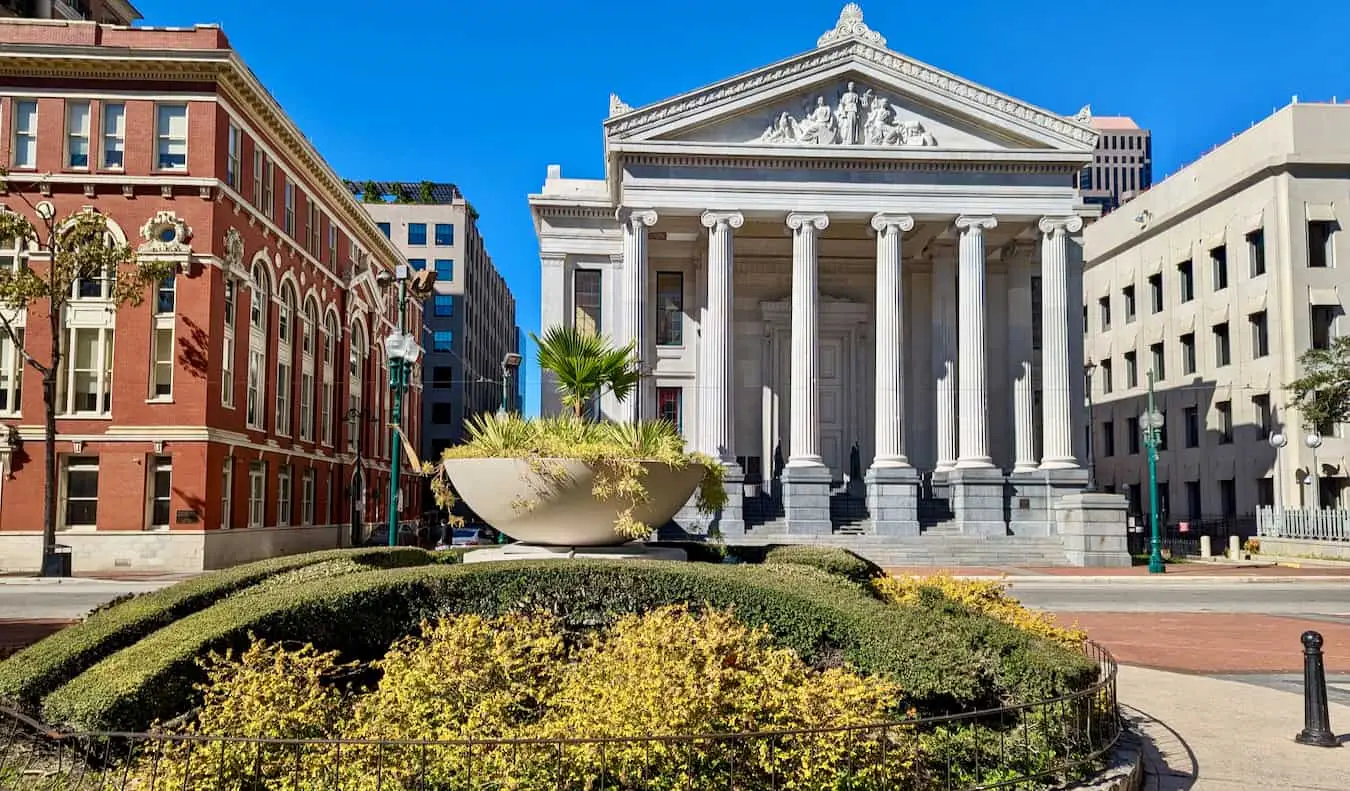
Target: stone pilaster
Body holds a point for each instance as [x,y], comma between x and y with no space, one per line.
[1021,367]
[974,391]
[892,483]
[1056,392]
[635,224]
[715,366]
[944,361]
[806,480]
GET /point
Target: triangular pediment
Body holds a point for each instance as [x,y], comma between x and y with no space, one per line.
[806,102]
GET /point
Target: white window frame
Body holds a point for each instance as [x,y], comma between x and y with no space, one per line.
[226,492]
[356,363]
[284,496]
[258,310]
[11,372]
[157,465]
[161,357]
[326,399]
[227,346]
[114,125]
[332,242]
[234,144]
[68,403]
[269,188]
[309,334]
[307,498]
[258,156]
[77,463]
[257,493]
[288,220]
[24,133]
[285,359]
[166,140]
[77,134]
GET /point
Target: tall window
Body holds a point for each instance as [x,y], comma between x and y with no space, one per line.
[332,242]
[87,383]
[670,308]
[1186,276]
[288,221]
[1262,414]
[445,234]
[81,491]
[1159,356]
[285,360]
[1224,411]
[161,476]
[11,373]
[234,145]
[670,406]
[417,233]
[1260,334]
[330,337]
[313,240]
[356,367]
[114,136]
[1108,438]
[1188,353]
[1321,246]
[258,157]
[25,133]
[1155,291]
[586,300]
[1131,369]
[1104,307]
[443,305]
[1256,252]
[1323,325]
[77,134]
[1191,423]
[226,492]
[284,496]
[257,492]
[227,348]
[269,189]
[1219,260]
[309,329]
[307,498]
[171,130]
[1131,308]
[1107,382]
[161,375]
[259,301]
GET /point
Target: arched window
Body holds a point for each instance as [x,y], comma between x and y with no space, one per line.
[285,358]
[13,258]
[308,328]
[356,364]
[260,297]
[330,336]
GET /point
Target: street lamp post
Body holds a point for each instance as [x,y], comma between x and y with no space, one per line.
[1314,441]
[510,363]
[1088,369]
[356,487]
[1151,422]
[1278,441]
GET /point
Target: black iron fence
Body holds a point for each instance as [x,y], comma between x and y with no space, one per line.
[1181,537]
[1032,745]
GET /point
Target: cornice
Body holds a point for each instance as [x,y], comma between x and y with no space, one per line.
[850,49]
[781,162]
[236,83]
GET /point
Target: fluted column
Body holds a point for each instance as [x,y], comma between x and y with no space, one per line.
[716,363]
[944,361]
[973,365]
[634,325]
[805,434]
[1020,347]
[890,359]
[1056,393]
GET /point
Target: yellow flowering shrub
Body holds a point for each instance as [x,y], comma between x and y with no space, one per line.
[985,596]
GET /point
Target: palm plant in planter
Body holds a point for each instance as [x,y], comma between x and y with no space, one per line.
[572,480]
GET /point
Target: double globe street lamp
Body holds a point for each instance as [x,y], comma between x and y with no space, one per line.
[1151,423]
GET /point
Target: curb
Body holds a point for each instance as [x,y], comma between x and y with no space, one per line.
[77,581]
[1157,579]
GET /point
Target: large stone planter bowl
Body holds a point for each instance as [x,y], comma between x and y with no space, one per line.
[534,508]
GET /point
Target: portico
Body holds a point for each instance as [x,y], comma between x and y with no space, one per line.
[852,278]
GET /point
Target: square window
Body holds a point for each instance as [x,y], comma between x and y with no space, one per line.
[442,413]
[384,228]
[445,270]
[445,234]
[417,233]
[442,375]
[442,341]
[443,305]
[418,264]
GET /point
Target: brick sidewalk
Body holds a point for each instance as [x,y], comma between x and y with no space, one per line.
[1188,570]
[1213,642]
[15,635]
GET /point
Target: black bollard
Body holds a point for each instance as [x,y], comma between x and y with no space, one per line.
[1316,718]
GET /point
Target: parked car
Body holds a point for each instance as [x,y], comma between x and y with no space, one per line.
[469,537]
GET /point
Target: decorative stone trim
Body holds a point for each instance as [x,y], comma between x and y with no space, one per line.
[784,163]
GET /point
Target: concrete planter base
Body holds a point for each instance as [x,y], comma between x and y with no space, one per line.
[530,503]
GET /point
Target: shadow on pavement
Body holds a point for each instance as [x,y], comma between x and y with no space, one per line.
[1169,763]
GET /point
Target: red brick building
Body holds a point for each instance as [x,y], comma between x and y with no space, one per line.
[224,418]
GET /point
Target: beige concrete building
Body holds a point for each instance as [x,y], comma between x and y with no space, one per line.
[1122,164]
[110,12]
[1218,278]
[470,320]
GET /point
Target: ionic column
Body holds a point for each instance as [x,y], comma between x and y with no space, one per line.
[634,325]
[805,434]
[716,361]
[1056,394]
[944,361]
[1020,347]
[973,367]
[890,361]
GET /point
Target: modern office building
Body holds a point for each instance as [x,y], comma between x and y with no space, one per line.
[240,411]
[112,12]
[1122,165]
[470,321]
[1217,279]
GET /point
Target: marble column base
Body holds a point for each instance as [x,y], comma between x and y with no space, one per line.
[941,486]
[1034,494]
[729,521]
[893,500]
[806,500]
[1093,528]
[979,501]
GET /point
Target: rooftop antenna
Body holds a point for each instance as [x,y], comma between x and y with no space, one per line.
[1295,99]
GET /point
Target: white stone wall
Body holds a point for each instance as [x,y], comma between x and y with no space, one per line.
[175,551]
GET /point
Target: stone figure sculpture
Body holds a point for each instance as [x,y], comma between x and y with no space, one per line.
[867,119]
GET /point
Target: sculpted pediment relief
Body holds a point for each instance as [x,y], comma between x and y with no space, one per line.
[853,112]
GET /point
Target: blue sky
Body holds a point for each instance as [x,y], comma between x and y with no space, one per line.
[488,94]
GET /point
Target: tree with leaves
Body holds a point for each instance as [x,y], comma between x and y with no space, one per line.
[371,193]
[1322,394]
[586,365]
[426,192]
[64,255]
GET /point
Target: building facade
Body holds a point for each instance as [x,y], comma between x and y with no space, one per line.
[469,322]
[853,278]
[1217,279]
[1122,165]
[240,411]
[112,12]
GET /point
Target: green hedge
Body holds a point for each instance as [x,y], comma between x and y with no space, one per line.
[31,674]
[946,658]
[835,560]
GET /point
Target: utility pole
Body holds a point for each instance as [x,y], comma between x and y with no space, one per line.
[1152,423]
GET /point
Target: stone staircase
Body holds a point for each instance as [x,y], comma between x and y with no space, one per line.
[947,551]
[848,512]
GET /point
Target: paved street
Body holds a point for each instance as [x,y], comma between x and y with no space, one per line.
[23,599]
[1291,597]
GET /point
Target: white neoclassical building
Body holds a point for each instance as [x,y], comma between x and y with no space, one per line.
[853,277]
